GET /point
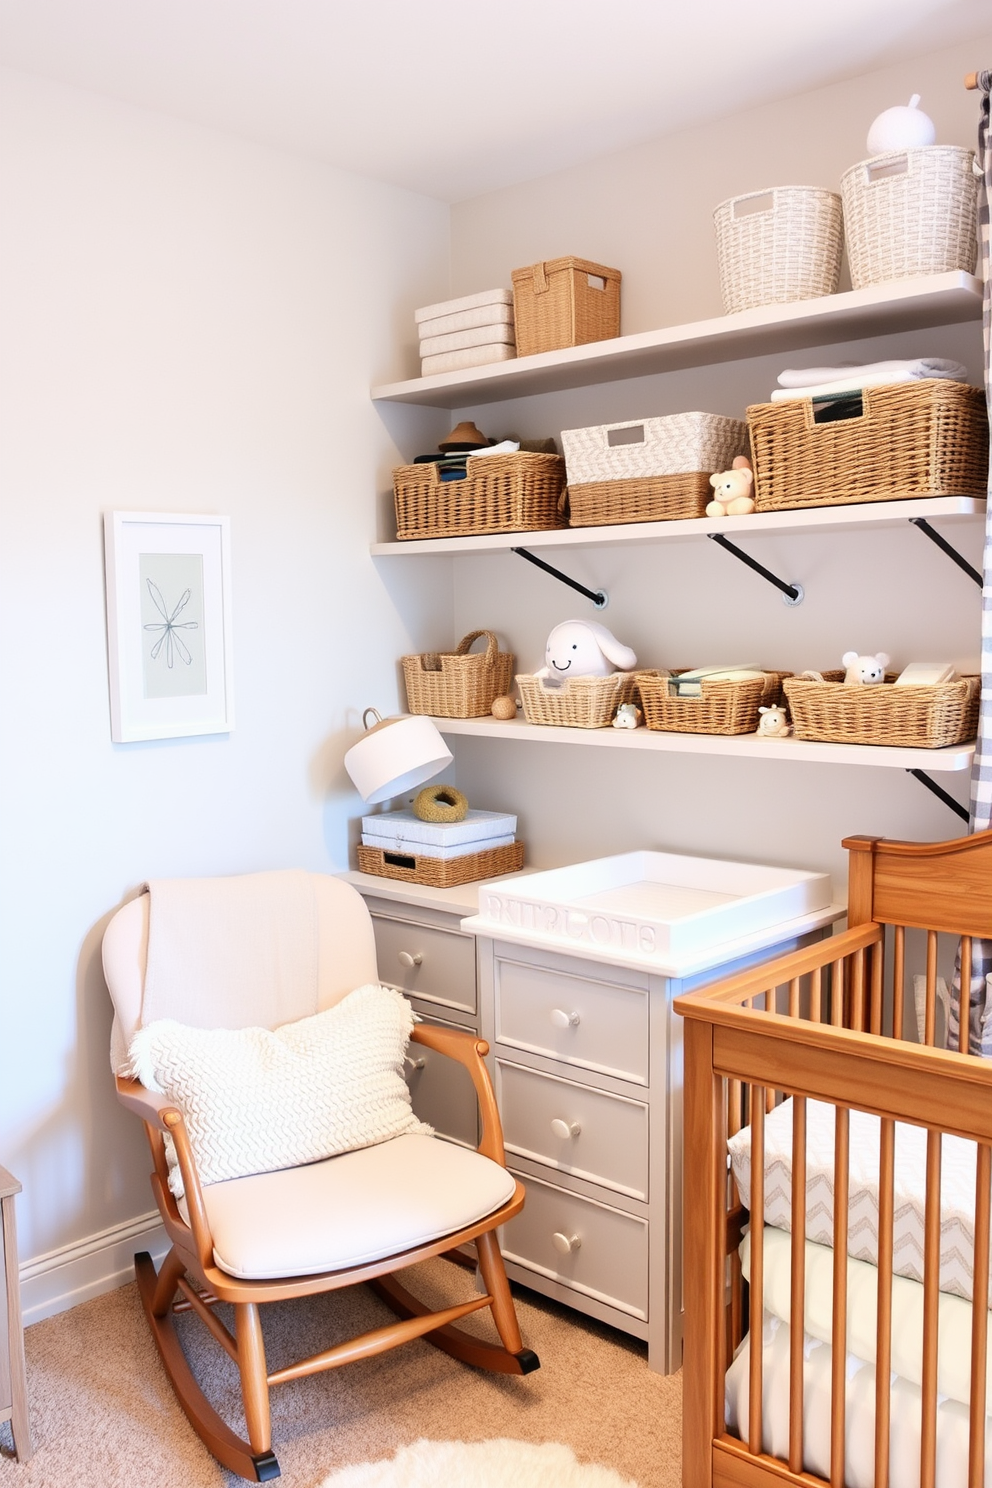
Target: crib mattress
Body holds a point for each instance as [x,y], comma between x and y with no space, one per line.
[957,1189]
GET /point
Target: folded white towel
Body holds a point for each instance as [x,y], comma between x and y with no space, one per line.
[854,383]
[486,335]
[505,447]
[471,356]
[848,372]
[466,320]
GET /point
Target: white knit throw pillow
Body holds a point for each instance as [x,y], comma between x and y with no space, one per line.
[256,1099]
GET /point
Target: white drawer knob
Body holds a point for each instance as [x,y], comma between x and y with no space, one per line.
[410,958]
[565,1129]
[566,1244]
[561,1019]
[415,1062]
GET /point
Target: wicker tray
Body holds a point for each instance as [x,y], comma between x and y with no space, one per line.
[500,493]
[655,498]
[906,717]
[912,439]
[581,702]
[455,684]
[724,708]
[441,873]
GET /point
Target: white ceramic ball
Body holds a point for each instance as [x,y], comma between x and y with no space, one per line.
[903,128]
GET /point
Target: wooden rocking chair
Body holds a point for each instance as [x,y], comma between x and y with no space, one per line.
[238,1241]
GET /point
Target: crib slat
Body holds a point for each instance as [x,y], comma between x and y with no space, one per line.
[979,1303]
[898,979]
[816,995]
[797,1302]
[757,1300]
[837,995]
[930,1018]
[877,988]
[838,1332]
[931,1297]
[964,1001]
[794,997]
[858,991]
[883,1341]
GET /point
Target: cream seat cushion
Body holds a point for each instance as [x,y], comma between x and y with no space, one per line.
[352,1209]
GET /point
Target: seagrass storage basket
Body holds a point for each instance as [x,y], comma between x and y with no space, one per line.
[892,443]
[911,212]
[579,702]
[653,470]
[905,717]
[441,873]
[565,302]
[777,246]
[460,683]
[725,707]
[500,493]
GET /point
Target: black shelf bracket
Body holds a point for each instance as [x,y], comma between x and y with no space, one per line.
[945,547]
[940,793]
[793,594]
[599,597]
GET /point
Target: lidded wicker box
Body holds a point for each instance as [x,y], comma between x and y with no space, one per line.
[565,302]
[911,212]
[724,706]
[651,470]
[891,443]
[931,717]
[777,246]
[459,683]
[519,492]
[577,702]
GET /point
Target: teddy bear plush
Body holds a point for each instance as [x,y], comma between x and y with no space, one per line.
[628,716]
[733,490]
[864,671]
[773,723]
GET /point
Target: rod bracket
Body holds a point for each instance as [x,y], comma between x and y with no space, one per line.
[945,547]
[940,793]
[599,597]
[792,594]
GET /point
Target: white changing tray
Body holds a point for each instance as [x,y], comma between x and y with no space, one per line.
[651,904]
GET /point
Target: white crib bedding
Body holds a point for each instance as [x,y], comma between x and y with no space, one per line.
[957,1189]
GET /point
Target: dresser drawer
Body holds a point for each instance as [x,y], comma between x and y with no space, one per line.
[589,1133]
[427,962]
[582,1020]
[589,1247]
[442,1091]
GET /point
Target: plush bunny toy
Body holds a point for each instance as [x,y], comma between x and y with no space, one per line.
[581,648]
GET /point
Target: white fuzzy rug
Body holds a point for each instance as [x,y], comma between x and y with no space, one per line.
[491,1464]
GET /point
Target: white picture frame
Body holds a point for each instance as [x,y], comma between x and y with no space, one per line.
[168,625]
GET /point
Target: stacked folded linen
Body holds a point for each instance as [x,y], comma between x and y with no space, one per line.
[836,382]
[469,332]
[402,831]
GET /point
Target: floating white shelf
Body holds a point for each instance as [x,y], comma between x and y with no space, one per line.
[900,305]
[746,746]
[835,518]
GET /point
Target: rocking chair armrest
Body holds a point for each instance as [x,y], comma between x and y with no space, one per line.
[147,1104]
[468,1049]
[163,1118]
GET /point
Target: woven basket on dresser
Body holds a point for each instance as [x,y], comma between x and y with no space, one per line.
[580,702]
[456,684]
[726,707]
[912,439]
[778,246]
[911,212]
[441,873]
[500,493]
[930,717]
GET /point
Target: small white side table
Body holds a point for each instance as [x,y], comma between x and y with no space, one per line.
[13,1381]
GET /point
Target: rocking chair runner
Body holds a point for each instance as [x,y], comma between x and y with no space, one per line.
[457,1196]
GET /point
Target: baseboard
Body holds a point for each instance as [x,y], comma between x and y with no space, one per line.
[63,1278]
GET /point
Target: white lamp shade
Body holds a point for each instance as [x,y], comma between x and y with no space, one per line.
[396,755]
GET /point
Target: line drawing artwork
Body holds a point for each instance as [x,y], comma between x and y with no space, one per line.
[170,627]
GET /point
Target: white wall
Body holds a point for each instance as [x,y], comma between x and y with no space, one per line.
[190,323]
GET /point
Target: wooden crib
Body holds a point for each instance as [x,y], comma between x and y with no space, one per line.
[826,1023]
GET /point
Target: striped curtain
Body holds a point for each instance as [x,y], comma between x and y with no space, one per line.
[980,999]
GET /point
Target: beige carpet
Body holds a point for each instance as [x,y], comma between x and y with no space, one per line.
[103,1414]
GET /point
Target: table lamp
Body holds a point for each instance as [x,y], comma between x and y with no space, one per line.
[395,755]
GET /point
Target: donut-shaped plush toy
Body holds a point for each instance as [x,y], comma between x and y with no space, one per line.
[440,803]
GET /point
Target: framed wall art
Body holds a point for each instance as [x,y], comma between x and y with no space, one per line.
[168,625]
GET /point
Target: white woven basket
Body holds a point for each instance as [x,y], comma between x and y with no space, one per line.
[777,246]
[911,212]
[671,445]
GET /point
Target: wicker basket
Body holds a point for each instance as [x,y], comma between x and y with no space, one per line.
[500,493]
[906,717]
[652,470]
[457,684]
[581,702]
[905,440]
[564,302]
[441,873]
[777,246]
[727,707]
[911,212]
